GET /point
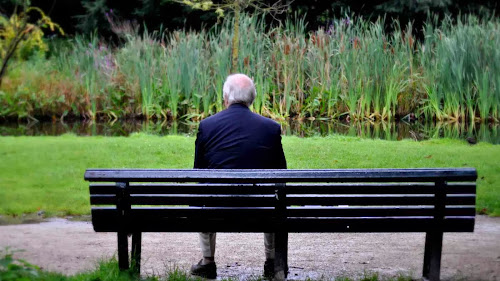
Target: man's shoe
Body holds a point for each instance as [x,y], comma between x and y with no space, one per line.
[269,269]
[204,270]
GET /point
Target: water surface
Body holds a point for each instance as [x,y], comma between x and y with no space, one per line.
[376,130]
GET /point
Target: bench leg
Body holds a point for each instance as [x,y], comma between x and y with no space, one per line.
[123,251]
[136,252]
[432,255]
[281,256]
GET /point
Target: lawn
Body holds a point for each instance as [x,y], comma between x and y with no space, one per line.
[107,270]
[46,173]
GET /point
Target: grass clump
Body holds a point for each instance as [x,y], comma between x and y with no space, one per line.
[13,269]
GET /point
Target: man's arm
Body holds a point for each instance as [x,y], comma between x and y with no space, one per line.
[280,155]
[199,151]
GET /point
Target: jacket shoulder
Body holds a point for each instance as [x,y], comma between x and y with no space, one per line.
[267,121]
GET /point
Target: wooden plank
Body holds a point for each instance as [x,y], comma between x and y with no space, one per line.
[204,212]
[151,188]
[266,212]
[383,224]
[186,199]
[361,200]
[103,199]
[308,211]
[376,188]
[106,222]
[377,200]
[269,200]
[205,200]
[461,188]
[234,212]
[273,176]
[188,225]
[302,188]
[460,199]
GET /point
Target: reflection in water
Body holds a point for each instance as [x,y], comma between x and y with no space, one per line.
[379,130]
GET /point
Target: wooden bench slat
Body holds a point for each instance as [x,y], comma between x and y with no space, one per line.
[205,200]
[103,199]
[269,200]
[194,200]
[365,200]
[273,176]
[375,212]
[377,188]
[230,212]
[106,220]
[380,224]
[150,188]
[353,188]
[157,212]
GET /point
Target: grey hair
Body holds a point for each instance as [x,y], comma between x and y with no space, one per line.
[239,88]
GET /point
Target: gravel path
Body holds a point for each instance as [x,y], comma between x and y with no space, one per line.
[69,247]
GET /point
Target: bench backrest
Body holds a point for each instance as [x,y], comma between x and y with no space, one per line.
[357,200]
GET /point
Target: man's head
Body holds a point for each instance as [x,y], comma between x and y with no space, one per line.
[238,88]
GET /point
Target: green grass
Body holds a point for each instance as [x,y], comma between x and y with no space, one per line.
[46,173]
[12,269]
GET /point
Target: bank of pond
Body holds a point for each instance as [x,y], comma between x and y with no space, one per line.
[471,132]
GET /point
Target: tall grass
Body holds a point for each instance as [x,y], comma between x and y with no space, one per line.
[351,68]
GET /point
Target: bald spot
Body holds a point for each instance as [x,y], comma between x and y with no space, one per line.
[241,80]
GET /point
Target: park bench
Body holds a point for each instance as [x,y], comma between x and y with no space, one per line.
[282,201]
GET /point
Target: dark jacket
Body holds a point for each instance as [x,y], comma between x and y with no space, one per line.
[237,138]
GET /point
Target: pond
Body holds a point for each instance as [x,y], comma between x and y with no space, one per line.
[380,130]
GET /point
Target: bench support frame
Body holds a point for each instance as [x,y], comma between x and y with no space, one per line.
[123,206]
[280,237]
[434,220]
[432,255]
[434,239]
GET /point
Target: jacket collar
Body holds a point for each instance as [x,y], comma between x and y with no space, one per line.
[238,106]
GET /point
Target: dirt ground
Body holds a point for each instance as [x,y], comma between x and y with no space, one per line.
[70,247]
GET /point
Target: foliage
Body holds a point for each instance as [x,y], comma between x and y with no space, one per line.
[20,38]
[351,68]
[11,28]
[93,17]
[237,7]
[16,269]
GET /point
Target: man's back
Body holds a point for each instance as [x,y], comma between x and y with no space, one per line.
[236,138]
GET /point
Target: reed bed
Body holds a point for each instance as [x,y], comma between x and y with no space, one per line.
[350,69]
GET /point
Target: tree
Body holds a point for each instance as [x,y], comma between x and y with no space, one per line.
[18,30]
[237,7]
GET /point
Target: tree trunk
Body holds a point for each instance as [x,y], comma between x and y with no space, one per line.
[11,50]
[236,37]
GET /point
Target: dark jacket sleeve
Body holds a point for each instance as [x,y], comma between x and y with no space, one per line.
[199,151]
[280,155]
